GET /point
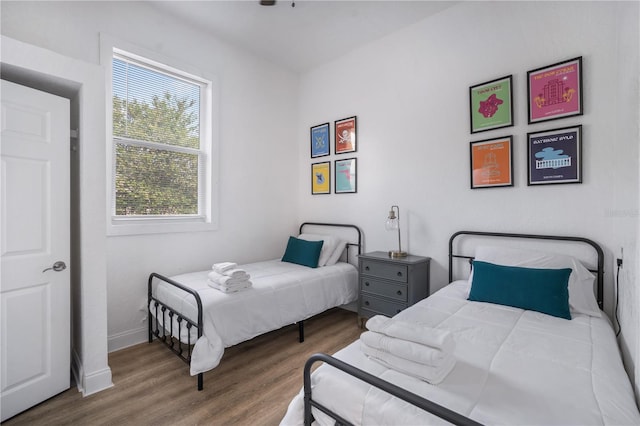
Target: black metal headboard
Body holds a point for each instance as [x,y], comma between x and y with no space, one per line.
[358,245]
[599,271]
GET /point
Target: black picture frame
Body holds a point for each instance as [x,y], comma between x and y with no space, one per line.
[321,178]
[491,105]
[346,176]
[554,156]
[345,135]
[491,162]
[555,91]
[320,139]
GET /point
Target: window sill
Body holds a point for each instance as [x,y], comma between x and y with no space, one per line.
[143,226]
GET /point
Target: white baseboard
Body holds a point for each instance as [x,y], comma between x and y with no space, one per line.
[89,383]
[127,338]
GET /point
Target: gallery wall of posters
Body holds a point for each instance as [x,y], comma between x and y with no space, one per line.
[345,170]
[553,155]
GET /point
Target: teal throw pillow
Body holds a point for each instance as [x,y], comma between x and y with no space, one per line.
[303,252]
[542,290]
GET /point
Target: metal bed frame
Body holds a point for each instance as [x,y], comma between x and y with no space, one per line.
[423,403]
[162,324]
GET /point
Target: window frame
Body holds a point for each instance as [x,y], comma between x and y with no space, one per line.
[207,217]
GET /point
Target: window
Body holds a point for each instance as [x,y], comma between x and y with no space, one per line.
[161,146]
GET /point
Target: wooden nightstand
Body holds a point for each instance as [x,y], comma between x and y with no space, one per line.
[389,285]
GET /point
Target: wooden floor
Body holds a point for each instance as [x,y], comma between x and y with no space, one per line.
[253,384]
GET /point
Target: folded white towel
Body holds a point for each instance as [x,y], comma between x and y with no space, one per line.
[236,273]
[414,332]
[429,374]
[232,288]
[224,266]
[404,349]
[225,280]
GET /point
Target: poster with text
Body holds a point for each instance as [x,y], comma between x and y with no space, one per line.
[346,177]
[345,134]
[555,156]
[492,163]
[321,178]
[320,140]
[555,91]
[491,105]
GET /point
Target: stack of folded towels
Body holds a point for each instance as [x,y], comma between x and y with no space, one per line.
[410,348]
[228,278]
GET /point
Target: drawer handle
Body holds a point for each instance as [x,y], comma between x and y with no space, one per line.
[366,283]
[399,273]
[399,292]
[366,268]
[367,303]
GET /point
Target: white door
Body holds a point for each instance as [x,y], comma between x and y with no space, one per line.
[34,211]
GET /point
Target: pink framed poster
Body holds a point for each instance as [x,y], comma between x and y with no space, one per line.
[555,91]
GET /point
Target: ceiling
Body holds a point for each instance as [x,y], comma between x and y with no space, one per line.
[301,37]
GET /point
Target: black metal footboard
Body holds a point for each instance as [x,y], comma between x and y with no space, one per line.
[431,407]
[161,322]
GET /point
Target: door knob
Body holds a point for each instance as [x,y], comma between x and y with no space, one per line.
[58,266]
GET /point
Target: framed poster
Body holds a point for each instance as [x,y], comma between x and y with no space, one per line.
[491,105]
[555,156]
[555,91]
[321,178]
[320,140]
[491,163]
[346,176]
[345,134]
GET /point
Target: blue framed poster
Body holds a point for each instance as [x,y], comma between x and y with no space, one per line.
[346,177]
[555,156]
[320,140]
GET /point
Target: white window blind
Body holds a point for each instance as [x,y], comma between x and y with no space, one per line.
[160,157]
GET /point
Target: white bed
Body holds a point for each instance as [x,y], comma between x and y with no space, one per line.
[513,366]
[282,293]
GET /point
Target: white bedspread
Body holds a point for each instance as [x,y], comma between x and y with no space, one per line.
[514,367]
[282,294]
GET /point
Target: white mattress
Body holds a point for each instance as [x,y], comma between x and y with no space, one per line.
[282,294]
[513,367]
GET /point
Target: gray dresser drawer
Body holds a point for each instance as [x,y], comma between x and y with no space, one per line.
[389,271]
[380,306]
[383,288]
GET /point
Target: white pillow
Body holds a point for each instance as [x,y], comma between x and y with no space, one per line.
[581,297]
[337,252]
[328,246]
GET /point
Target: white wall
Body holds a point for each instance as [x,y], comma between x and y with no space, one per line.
[256,126]
[410,93]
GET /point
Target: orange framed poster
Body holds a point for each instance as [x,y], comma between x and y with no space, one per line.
[491,163]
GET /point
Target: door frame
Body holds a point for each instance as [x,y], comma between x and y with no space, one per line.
[83,84]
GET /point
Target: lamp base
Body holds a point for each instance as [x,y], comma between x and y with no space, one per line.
[396,253]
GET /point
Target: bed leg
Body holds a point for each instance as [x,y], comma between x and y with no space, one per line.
[200,376]
[301,331]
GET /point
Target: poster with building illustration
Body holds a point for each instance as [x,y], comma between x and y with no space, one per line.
[491,163]
[555,91]
[491,105]
[555,156]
